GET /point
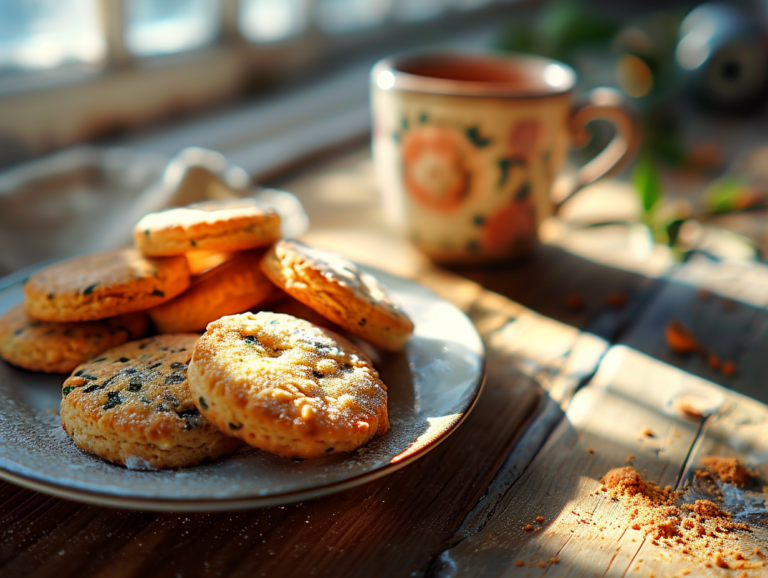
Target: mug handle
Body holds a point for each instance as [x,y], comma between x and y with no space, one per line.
[601,104]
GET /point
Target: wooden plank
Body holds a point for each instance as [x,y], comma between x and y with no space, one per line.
[739,430]
[724,305]
[566,287]
[588,534]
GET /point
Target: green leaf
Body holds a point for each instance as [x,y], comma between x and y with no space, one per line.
[647,184]
[724,194]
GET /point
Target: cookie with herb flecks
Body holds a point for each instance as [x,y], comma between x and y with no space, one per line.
[61,347]
[225,225]
[103,285]
[335,287]
[131,405]
[234,286]
[287,386]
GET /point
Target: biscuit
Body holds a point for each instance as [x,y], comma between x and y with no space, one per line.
[227,225]
[201,261]
[233,287]
[334,287]
[287,386]
[61,347]
[103,285]
[132,406]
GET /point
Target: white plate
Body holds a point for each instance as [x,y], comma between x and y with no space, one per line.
[432,385]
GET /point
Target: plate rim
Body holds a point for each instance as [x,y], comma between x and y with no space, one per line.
[200,505]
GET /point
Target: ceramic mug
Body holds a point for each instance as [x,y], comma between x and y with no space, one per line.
[467,147]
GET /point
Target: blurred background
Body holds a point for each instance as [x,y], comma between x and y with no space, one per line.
[97,95]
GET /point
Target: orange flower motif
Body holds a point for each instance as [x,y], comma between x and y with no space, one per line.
[438,167]
[512,225]
[525,137]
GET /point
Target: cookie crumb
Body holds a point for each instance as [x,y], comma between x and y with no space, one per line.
[574,302]
[630,457]
[591,451]
[682,405]
[729,368]
[713,360]
[647,432]
[699,528]
[616,299]
[520,563]
[679,338]
[528,528]
[729,470]
[540,519]
[720,562]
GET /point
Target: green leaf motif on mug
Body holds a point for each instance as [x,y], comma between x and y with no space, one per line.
[473,134]
[505,165]
[523,192]
[423,118]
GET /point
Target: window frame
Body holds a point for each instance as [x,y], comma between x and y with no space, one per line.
[105,102]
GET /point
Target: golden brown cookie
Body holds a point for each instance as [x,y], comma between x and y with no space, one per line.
[61,347]
[227,225]
[201,261]
[132,406]
[287,386]
[103,285]
[334,287]
[233,287]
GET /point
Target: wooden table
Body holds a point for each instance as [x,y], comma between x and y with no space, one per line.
[568,390]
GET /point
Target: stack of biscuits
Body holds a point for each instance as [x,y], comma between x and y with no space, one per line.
[147,391]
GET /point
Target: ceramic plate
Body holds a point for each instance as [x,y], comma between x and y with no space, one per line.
[433,385]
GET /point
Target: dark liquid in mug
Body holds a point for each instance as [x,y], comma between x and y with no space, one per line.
[472,69]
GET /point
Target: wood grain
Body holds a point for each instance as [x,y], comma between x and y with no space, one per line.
[724,305]
[738,429]
[587,533]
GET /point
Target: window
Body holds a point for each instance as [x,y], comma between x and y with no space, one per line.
[272,20]
[347,15]
[411,11]
[44,34]
[156,27]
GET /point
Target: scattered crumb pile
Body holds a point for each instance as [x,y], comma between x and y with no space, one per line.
[699,529]
[728,470]
[681,340]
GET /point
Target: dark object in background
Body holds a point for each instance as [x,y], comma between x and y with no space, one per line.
[722,51]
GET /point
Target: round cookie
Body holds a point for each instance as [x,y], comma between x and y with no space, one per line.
[334,287]
[232,287]
[132,406]
[287,386]
[103,285]
[202,261]
[61,347]
[226,225]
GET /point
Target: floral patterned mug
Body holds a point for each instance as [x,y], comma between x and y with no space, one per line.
[467,147]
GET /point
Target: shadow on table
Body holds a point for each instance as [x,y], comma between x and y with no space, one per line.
[556,283]
[631,308]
